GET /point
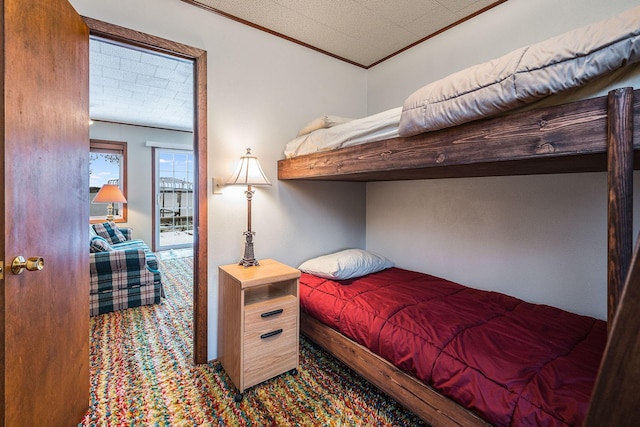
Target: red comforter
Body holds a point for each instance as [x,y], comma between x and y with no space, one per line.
[511,362]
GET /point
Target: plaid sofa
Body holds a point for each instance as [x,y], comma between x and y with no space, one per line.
[123,274]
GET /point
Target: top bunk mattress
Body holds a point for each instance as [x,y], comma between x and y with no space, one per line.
[580,64]
[372,128]
[511,362]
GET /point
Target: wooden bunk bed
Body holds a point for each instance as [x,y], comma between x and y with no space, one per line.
[599,134]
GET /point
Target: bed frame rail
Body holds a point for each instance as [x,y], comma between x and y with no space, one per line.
[560,139]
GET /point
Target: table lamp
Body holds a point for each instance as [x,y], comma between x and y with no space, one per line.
[248,173]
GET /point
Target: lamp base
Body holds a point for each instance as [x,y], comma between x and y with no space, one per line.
[249,259]
[110,212]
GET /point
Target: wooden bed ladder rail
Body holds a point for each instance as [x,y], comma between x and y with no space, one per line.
[615,400]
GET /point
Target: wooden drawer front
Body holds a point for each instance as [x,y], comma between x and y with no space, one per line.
[271,313]
[274,354]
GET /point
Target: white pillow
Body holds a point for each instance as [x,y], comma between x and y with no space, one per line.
[346,264]
[322,123]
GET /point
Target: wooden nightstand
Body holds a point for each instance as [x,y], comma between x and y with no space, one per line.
[258,322]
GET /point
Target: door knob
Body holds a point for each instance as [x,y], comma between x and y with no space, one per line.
[32,264]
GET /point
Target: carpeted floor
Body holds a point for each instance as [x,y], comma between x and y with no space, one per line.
[142,374]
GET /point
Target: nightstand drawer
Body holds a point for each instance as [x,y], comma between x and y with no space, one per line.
[268,353]
[271,314]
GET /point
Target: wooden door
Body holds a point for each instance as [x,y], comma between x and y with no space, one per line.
[44,316]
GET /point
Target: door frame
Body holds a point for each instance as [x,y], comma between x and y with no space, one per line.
[199,57]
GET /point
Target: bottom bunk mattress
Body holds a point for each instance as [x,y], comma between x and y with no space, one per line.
[511,362]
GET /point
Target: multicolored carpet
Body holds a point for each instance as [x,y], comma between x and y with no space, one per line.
[142,374]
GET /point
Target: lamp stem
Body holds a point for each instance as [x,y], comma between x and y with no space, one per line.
[249,197]
[249,258]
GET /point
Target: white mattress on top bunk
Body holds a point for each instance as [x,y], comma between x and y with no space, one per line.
[579,64]
[377,127]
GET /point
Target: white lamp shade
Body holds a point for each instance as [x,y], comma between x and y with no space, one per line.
[248,172]
[109,193]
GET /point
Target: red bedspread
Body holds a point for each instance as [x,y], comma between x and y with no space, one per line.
[511,362]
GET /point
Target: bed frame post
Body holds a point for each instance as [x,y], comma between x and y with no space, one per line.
[620,181]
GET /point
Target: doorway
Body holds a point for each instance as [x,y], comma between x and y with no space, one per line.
[198,57]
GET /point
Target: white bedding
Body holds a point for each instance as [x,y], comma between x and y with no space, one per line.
[525,75]
[377,127]
[551,72]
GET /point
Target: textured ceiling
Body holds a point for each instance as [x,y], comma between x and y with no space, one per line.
[362,32]
[134,86]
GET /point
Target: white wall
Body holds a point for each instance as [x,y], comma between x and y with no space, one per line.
[261,90]
[139,168]
[541,238]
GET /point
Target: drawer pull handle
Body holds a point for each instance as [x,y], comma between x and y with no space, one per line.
[272,313]
[271,334]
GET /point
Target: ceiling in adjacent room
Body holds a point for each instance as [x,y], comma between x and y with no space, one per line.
[134,86]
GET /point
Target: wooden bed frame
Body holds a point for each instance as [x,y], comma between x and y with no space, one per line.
[598,134]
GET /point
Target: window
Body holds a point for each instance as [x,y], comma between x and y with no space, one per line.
[107,165]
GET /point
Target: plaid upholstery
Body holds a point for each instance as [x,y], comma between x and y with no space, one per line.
[131,244]
[126,232]
[99,244]
[126,277]
[124,298]
[110,231]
